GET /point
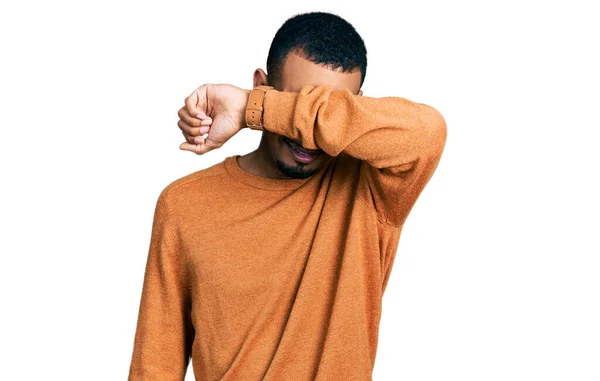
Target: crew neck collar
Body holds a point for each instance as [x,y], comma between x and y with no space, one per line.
[233,168]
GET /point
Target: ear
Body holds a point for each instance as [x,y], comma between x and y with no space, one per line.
[259,78]
[359,92]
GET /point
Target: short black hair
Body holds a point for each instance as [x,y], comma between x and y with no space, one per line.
[321,37]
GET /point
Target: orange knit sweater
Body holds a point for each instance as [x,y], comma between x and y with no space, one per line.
[256,278]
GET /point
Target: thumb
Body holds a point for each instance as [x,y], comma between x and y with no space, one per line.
[201,148]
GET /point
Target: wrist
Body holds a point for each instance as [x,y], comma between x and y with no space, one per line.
[254,107]
[242,112]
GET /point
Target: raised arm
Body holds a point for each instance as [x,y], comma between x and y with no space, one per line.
[399,141]
[164,334]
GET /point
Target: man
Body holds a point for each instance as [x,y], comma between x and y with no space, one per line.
[272,265]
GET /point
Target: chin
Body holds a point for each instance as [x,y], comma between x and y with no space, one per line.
[297,170]
[295,165]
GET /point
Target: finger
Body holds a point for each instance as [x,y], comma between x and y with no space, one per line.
[191,101]
[196,139]
[201,148]
[190,138]
[190,130]
[200,120]
[198,149]
[188,147]
[200,139]
[188,119]
[196,101]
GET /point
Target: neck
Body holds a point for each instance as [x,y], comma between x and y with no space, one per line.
[260,162]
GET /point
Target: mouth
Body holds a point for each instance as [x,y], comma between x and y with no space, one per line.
[301,154]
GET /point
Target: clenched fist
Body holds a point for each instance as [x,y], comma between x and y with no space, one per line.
[214,109]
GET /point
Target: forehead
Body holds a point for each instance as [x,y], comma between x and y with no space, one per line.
[298,72]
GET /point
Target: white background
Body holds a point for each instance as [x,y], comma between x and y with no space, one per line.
[497,273]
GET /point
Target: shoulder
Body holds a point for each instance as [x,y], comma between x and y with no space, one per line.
[201,181]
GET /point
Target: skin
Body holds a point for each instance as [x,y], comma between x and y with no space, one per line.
[272,158]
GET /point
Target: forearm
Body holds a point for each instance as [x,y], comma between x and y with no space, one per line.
[400,142]
[386,132]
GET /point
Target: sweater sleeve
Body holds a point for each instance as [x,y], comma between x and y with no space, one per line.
[164,333]
[399,142]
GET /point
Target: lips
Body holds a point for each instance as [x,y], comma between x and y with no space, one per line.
[301,149]
[299,154]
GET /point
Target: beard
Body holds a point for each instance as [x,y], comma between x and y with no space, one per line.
[297,171]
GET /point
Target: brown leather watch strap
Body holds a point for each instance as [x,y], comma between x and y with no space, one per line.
[254,107]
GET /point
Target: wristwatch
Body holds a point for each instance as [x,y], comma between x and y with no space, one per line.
[254,107]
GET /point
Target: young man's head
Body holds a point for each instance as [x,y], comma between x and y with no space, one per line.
[314,48]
